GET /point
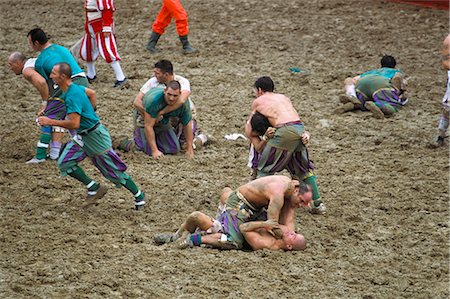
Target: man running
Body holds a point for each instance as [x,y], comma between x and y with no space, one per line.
[92,140]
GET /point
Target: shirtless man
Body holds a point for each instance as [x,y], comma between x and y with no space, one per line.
[278,194]
[444,118]
[20,65]
[286,150]
[259,235]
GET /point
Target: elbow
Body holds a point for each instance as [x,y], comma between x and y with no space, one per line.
[73,126]
[138,100]
[259,148]
[42,84]
[248,129]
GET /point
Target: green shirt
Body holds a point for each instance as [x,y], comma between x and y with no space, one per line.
[78,102]
[52,55]
[154,102]
[386,72]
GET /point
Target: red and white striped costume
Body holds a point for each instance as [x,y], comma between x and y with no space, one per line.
[99,20]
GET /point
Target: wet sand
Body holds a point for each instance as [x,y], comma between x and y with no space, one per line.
[386,231]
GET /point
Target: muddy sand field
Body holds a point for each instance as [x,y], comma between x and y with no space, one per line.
[386,233]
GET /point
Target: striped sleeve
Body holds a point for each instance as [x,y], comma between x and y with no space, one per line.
[106,5]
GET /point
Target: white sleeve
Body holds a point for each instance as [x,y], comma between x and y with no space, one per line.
[185,85]
[29,63]
[152,83]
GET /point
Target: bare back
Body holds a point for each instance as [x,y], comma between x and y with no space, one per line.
[261,191]
[276,107]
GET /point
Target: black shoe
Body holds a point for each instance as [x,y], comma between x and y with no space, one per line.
[120,84]
[439,141]
[188,49]
[151,46]
[92,80]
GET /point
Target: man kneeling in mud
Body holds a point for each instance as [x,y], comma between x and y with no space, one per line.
[274,198]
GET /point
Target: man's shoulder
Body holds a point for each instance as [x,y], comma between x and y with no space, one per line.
[277,182]
[259,99]
[60,50]
[155,93]
[185,108]
[51,48]
[185,84]
[75,90]
[153,98]
[39,58]
[272,99]
[149,84]
[179,78]
[58,47]
[30,63]
[153,83]
[51,53]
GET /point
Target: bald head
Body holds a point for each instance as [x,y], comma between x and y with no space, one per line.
[299,243]
[16,62]
[292,240]
[17,56]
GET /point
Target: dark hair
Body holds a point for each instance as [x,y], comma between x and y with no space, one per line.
[265,83]
[165,66]
[388,61]
[259,123]
[174,85]
[303,188]
[37,34]
[64,68]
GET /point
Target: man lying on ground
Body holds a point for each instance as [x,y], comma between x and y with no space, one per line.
[274,198]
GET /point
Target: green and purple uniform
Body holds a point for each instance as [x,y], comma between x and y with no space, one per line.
[238,211]
[92,140]
[285,150]
[376,86]
[167,140]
